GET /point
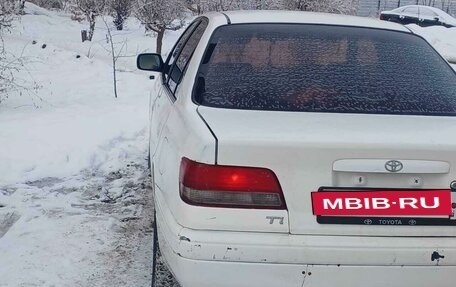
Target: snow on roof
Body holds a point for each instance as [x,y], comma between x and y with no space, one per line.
[436,10]
[269,16]
[447,18]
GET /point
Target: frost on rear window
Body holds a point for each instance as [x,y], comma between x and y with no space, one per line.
[317,68]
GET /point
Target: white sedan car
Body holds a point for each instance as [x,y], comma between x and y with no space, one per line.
[303,149]
[420,15]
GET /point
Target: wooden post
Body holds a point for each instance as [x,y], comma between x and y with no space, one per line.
[84,35]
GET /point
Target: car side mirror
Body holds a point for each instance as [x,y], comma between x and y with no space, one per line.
[150,62]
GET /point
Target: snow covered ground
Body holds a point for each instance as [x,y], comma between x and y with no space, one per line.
[75,198]
[77,115]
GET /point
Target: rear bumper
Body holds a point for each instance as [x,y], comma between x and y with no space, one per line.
[219,258]
[201,273]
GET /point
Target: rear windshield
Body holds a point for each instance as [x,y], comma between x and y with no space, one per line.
[320,68]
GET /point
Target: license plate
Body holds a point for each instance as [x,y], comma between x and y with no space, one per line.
[383,207]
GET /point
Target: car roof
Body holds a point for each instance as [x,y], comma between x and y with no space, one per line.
[301,17]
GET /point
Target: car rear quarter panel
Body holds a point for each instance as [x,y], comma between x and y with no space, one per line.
[184,135]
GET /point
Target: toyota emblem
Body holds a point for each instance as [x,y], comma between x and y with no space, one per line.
[394,166]
[368,221]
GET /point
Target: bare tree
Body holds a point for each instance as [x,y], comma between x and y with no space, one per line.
[330,6]
[91,9]
[194,6]
[20,6]
[159,16]
[428,2]
[10,64]
[65,4]
[49,4]
[6,13]
[120,10]
[446,5]
[115,53]
[202,6]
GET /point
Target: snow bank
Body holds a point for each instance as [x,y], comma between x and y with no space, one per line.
[32,9]
[443,39]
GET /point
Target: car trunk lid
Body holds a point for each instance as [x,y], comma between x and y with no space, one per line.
[317,151]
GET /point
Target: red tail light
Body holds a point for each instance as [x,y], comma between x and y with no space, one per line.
[229,186]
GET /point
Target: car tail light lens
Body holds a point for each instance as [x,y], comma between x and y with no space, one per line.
[229,186]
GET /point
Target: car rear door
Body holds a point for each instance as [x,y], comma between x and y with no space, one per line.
[163,98]
[428,18]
